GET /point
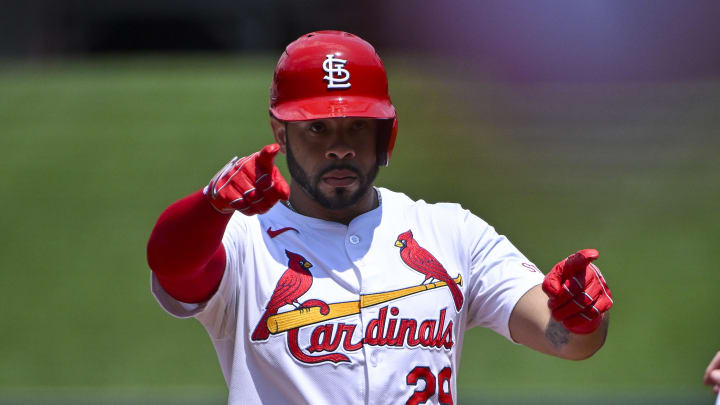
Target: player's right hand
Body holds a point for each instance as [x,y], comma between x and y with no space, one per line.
[251,185]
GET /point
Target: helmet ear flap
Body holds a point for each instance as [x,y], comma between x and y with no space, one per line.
[391,141]
[387,131]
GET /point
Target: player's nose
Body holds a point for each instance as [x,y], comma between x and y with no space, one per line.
[340,149]
[340,153]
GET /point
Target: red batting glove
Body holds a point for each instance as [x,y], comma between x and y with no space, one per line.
[578,293]
[251,185]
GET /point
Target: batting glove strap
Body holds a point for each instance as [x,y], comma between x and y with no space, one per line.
[250,185]
[578,292]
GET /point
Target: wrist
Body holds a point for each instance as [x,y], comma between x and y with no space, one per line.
[218,206]
[583,346]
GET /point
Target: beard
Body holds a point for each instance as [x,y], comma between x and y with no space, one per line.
[340,197]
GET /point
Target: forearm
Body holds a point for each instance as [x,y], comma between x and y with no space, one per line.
[531,324]
[185,248]
[574,346]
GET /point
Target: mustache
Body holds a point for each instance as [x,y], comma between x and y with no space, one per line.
[340,166]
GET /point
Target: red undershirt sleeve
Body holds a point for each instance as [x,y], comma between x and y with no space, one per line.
[185,249]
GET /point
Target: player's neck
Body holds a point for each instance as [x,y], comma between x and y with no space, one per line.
[302,203]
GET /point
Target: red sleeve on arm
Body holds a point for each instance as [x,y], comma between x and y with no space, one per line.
[185,250]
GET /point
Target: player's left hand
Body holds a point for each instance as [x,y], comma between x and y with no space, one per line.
[579,296]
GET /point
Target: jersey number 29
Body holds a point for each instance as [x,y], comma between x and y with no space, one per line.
[422,396]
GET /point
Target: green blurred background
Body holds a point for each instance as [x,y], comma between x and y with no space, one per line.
[95,148]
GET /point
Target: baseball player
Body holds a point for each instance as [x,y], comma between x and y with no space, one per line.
[330,290]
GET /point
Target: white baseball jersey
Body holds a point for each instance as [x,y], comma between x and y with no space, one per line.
[317,312]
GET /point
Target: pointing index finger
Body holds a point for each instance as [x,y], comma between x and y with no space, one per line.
[266,157]
[578,262]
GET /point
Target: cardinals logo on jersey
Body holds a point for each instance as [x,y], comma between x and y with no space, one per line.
[424,262]
[294,282]
[327,341]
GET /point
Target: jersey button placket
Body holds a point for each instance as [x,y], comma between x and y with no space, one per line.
[353,248]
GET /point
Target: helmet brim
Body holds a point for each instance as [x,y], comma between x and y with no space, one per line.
[333,107]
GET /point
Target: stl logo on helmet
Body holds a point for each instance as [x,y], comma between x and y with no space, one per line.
[337,76]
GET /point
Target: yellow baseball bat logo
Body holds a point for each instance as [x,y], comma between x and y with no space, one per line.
[298,318]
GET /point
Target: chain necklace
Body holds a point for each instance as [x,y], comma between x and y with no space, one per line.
[287,204]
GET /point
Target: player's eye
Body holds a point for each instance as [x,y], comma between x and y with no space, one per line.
[317,127]
[359,125]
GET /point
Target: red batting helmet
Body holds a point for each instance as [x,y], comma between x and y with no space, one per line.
[331,74]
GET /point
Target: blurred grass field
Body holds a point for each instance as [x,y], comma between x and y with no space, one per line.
[94,150]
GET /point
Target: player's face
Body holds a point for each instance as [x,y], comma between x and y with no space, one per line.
[334,160]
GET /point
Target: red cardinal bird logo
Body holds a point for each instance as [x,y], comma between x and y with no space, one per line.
[424,262]
[294,282]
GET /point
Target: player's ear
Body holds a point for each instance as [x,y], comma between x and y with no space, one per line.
[279,129]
